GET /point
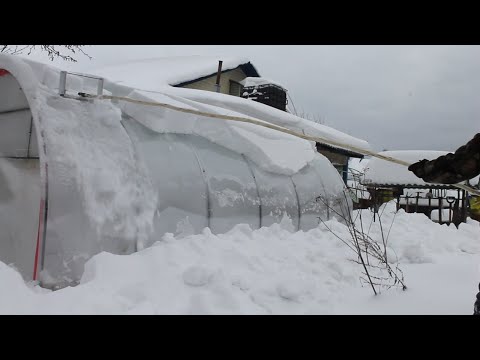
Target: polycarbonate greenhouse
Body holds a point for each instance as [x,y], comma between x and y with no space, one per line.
[80,176]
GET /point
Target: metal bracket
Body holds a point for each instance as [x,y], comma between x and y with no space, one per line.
[62,87]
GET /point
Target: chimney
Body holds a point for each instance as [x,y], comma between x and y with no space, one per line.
[219,74]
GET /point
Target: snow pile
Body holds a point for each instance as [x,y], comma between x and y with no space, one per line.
[267,271]
[414,238]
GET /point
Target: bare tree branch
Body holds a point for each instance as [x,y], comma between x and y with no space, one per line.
[371,254]
[64,52]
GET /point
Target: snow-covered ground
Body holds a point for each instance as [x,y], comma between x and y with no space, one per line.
[269,271]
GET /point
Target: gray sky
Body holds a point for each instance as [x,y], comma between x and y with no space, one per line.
[396,97]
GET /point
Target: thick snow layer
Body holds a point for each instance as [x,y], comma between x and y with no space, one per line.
[269,271]
[88,141]
[149,73]
[258,81]
[260,144]
[271,150]
[155,75]
[384,172]
[267,113]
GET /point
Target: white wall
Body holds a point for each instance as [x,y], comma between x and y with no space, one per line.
[19,179]
[19,213]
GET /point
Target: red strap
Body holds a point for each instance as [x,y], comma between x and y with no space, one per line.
[3,72]
[39,234]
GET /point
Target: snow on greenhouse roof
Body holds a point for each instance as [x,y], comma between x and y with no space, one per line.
[154,75]
[270,114]
[271,150]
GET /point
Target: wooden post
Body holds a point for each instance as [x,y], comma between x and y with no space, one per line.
[416,202]
[440,209]
[464,206]
[430,206]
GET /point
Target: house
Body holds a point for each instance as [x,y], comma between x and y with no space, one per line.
[338,157]
[229,80]
[240,79]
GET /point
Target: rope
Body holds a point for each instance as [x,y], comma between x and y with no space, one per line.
[277,128]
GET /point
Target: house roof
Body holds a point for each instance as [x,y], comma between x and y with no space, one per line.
[340,151]
[174,71]
[384,173]
[247,68]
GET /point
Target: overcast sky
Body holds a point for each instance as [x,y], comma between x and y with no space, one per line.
[395,97]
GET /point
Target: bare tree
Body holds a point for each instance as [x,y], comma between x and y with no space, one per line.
[312,117]
[370,253]
[64,52]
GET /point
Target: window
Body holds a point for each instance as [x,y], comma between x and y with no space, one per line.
[235,88]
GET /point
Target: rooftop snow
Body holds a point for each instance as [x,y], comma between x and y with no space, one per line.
[258,81]
[261,145]
[386,173]
[154,76]
[150,73]
[272,150]
[253,109]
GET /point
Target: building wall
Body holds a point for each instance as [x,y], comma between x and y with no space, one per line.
[335,159]
[339,161]
[209,83]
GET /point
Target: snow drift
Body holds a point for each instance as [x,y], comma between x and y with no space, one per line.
[273,270]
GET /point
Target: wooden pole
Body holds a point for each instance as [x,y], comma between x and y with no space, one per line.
[440,209]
